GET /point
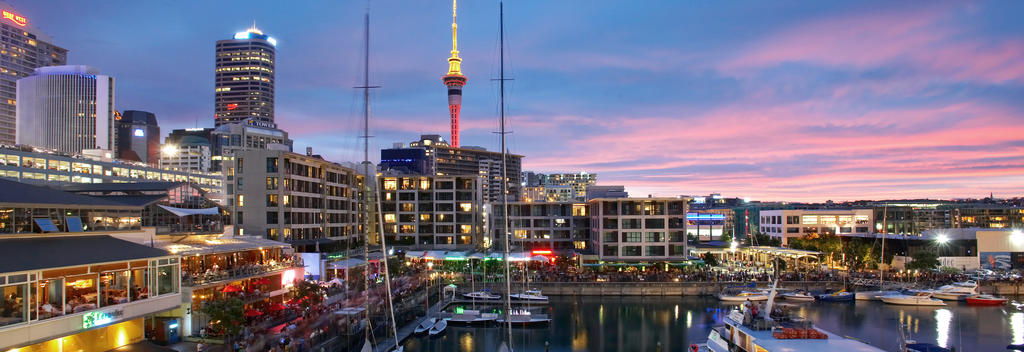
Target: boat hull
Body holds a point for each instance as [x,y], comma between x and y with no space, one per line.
[912,301]
[837,298]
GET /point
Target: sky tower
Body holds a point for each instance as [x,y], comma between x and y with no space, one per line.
[454,80]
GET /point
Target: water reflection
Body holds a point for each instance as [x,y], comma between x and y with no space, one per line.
[943,318]
[1017,327]
[640,323]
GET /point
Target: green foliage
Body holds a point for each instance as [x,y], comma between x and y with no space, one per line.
[709,259]
[950,270]
[226,314]
[726,237]
[762,240]
[924,259]
[308,293]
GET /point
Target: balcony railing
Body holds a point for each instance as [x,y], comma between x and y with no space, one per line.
[211,276]
[179,229]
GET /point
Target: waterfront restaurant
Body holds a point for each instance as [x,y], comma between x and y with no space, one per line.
[81,292]
[254,269]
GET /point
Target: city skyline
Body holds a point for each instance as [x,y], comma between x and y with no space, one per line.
[843,102]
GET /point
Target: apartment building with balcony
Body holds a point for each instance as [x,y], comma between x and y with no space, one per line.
[561,227]
[639,229]
[444,212]
[300,199]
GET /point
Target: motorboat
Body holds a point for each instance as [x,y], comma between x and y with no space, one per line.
[797,296]
[486,295]
[470,316]
[425,325]
[525,318]
[742,296]
[841,296]
[985,300]
[956,291]
[438,327]
[873,295]
[533,295]
[746,332]
[921,299]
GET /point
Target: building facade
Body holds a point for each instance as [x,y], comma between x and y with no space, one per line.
[433,211]
[244,78]
[25,49]
[36,166]
[615,191]
[577,182]
[710,224]
[561,227]
[796,223]
[66,108]
[248,134]
[188,153]
[138,136]
[639,229]
[445,160]
[300,199]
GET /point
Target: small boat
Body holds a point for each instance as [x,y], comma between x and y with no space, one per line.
[873,295]
[841,296]
[968,283]
[744,332]
[921,299]
[950,296]
[425,325]
[985,300]
[742,296]
[799,296]
[438,327]
[487,295]
[530,295]
[956,291]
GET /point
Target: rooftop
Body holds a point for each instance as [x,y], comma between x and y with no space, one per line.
[12,192]
[34,253]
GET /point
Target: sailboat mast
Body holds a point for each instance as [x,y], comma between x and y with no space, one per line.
[881,259]
[504,170]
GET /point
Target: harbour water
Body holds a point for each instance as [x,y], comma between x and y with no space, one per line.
[642,323]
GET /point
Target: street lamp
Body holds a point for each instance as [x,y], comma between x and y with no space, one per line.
[942,239]
[1017,236]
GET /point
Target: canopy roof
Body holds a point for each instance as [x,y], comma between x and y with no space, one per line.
[31,253]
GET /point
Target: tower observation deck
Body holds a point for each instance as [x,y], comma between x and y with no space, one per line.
[454,80]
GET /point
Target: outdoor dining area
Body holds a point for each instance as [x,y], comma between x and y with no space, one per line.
[215,259]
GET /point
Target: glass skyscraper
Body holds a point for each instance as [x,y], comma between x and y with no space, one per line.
[23,48]
[245,79]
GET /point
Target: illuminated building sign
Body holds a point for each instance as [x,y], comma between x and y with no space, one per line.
[232,106]
[541,252]
[16,18]
[94,319]
[140,132]
[288,278]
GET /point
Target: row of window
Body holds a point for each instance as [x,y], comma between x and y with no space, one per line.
[649,251]
[637,236]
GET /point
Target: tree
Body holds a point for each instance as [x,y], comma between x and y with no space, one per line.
[726,238]
[759,239]
[709,259]
[307,293]
[924,259]
[226,314]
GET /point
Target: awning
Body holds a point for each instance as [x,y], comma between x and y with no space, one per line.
[187,212]
[434,255]
[476,256]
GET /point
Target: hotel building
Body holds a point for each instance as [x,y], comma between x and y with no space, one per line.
[66,108]
[441,159]
[24,48]
[786,224]
[639,229]
[444,212]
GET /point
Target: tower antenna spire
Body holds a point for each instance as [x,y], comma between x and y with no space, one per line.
[454,80]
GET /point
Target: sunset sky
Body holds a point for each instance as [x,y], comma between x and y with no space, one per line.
[771,100]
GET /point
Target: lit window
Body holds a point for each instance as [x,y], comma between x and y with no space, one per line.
[466,206]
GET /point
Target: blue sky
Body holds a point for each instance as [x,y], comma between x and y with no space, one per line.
[794,100]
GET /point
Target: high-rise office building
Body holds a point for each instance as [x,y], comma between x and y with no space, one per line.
[66,108]
[454,80]
[244,79]
[138,136]
[445,160]
[25,49]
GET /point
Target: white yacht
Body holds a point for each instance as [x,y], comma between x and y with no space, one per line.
[743,332]
[485,295]
[533,295]
[798,296]
[920,299]
[471,316]
[742,296]
[873,295]
[956,291]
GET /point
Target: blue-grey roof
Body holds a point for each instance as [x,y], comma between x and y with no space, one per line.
[13,192]
[34,253]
